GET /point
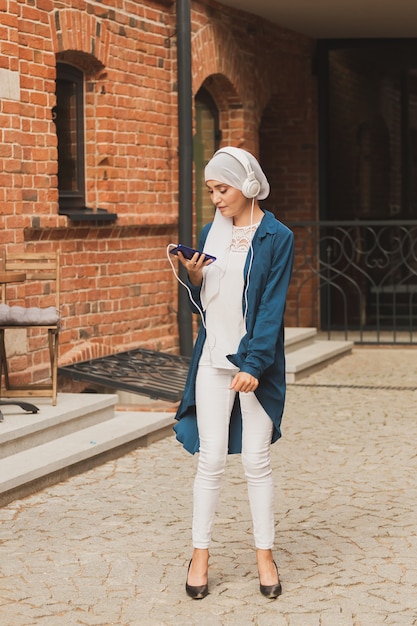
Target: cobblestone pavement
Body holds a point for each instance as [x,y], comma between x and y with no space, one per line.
[112,546]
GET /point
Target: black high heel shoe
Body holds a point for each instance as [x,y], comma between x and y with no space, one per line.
[195,592]
[271,591]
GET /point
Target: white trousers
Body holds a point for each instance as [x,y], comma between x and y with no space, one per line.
[214,402]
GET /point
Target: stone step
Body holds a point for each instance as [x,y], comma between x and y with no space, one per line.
[307,359]
[84,430]
[32,469]
[295,338]
[20,430]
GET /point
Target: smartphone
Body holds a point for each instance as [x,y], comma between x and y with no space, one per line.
[188,253]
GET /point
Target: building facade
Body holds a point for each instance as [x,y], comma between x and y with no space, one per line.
[89,157]
[89,150]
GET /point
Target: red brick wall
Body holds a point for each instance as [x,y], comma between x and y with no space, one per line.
[288,151]
[10,151]
[118,290]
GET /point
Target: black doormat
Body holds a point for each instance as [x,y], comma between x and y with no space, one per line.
[158,375]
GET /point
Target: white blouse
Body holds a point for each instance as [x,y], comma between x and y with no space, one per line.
[225,325]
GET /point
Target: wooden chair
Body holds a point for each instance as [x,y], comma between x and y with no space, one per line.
[41,275]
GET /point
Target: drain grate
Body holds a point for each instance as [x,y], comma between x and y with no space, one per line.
[158,375]
[343,386]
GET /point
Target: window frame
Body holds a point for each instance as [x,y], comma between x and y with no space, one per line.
[70,201]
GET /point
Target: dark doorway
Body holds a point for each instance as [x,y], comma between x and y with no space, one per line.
[368,177]
[368,129]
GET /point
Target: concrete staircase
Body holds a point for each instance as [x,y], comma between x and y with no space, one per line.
[86,429]
[306,353]
[81,431]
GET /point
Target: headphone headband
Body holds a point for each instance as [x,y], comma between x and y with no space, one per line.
[250,186]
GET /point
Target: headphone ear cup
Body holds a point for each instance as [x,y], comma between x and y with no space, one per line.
[251,187]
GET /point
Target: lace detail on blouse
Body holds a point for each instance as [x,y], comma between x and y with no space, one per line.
[242,236]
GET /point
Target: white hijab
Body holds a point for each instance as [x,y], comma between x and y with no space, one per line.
[218,244]
[225,168]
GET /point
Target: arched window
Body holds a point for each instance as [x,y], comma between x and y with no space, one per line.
[69,121]
[206,142]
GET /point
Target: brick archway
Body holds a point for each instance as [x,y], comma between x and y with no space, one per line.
[230,108]
[73,30]
[215,57]
[240,92]
[215,51]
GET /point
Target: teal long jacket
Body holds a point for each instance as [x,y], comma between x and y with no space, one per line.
[261,350]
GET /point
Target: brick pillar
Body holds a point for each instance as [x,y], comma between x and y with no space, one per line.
[10,146]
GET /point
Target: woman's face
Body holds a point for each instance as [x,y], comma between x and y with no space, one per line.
[230,201]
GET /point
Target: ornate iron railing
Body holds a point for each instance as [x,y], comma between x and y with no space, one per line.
[358,278]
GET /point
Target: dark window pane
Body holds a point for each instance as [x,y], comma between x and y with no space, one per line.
[69,122]
[66,128]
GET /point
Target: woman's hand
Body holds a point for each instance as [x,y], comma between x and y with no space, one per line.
[194,266]
[244,382]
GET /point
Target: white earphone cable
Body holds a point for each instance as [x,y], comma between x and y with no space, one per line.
[250,263]
[173,245]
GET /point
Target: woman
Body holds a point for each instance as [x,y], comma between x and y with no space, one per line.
[234,395]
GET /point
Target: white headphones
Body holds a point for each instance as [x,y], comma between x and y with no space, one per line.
[251,186]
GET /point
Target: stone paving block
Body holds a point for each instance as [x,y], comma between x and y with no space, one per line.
[305,619]
[401,619]
[111,546]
